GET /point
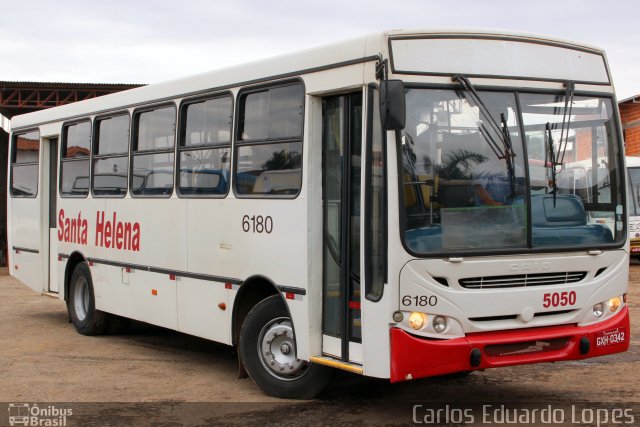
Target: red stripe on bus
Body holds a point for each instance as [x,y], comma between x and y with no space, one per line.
[414,357]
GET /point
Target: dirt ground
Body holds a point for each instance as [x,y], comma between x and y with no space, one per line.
[153,376]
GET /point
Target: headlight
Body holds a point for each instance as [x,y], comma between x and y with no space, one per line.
[416,320]
[398,316]
[598,310]
[439,324]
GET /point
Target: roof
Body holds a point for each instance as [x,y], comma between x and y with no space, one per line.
[66,85]
[632,99]
[20,97]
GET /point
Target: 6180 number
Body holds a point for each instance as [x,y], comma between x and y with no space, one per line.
[257,224]
[420,300]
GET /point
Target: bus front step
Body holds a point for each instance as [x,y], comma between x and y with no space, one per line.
[339,364]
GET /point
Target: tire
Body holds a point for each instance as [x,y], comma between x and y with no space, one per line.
[267,350]
[82,306]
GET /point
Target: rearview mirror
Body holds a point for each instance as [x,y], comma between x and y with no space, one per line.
[392,104]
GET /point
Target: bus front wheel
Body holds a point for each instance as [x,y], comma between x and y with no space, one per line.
[81,303]
[268,351]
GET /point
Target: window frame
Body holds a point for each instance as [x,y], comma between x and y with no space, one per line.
[95,156]
[63,159]
[372,121]
[133,139]
[181,138]
[239,143]
[14,137]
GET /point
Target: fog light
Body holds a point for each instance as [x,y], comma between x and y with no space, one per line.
[598,310]
[416,320]
[614,304]
[398,316]
[439,324]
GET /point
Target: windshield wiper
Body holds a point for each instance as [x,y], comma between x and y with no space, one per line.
[548,137]
[557,159]
[505,152]
[510,155]
[566,120]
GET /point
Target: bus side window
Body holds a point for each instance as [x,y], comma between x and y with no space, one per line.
[205,147]
[24,164]
[152,151]
[269,135]
[111,156]
[74,168]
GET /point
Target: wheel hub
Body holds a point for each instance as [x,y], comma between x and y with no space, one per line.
[81,298]
[276,347]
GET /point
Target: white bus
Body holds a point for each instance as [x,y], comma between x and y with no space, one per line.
[229,206]
[633,171]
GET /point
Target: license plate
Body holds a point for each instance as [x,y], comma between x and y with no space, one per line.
[611,337]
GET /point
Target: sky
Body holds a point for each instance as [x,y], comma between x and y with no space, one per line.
[138,41]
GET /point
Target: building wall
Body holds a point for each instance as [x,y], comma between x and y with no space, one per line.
[630,116]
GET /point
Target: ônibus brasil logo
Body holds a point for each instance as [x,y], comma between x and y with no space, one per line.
[25,414]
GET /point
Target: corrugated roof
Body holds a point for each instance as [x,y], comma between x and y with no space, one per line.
[66,85]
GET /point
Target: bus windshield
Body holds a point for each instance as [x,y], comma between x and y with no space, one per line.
[502,170]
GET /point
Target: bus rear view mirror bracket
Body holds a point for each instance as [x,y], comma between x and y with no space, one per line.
[392,105]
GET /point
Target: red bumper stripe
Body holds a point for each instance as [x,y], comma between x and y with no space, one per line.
[413,357]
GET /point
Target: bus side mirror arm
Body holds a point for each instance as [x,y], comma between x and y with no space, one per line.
[392,100]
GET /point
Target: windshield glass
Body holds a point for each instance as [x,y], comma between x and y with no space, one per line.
[469,184]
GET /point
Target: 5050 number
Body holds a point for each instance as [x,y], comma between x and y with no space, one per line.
[559,299]
[257,224]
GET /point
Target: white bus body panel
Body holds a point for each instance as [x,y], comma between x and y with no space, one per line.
[26,232]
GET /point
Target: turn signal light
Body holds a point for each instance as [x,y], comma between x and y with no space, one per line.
[614,304]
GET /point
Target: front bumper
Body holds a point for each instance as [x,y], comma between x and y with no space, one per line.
[413,357]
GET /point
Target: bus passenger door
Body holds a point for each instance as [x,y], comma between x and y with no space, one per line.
[341,154]
[51,214]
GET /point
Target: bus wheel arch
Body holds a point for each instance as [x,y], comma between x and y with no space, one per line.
[252,290]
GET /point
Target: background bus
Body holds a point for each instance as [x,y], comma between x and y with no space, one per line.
[633,170]
[394,205]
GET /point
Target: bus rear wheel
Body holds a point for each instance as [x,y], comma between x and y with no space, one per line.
[268,352]
[81,303]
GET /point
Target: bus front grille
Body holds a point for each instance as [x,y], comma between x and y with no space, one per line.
[521,280]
